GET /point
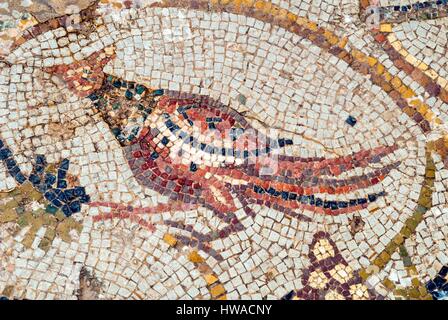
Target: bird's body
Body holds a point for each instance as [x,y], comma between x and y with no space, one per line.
[192,148]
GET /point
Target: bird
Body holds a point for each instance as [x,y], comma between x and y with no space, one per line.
[194,149]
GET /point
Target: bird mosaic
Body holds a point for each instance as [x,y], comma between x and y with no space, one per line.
[197,151]
[264,142]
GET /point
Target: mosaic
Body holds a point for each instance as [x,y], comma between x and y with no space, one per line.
[224,149]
